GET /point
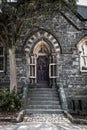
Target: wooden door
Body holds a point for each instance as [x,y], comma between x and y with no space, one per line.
[42,69]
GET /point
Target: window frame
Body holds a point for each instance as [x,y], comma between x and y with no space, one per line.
[81,65]
[32,67]
[3,56]
[52,67]
[82,54]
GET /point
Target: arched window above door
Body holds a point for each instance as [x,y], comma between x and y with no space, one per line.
[82,47]
[41,48]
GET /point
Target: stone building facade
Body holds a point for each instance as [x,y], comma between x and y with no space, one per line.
[54,53]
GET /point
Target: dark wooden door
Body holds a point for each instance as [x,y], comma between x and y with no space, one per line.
[42,69]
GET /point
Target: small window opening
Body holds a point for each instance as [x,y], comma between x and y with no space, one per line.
[80,105]
[73,105]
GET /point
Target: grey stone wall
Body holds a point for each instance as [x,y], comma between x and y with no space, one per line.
[21,69]
[68,72]
[74,82]
[4,76]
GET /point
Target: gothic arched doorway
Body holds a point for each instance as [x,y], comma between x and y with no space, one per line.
[42,64]
[43,69]
[42,44]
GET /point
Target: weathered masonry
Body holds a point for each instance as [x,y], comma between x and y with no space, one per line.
[54,54]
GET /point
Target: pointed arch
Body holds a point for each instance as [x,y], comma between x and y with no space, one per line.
[41,46]
[46,36]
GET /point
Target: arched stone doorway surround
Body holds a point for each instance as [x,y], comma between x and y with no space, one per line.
[42,52]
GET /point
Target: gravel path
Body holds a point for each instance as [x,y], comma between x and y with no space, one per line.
[44,122]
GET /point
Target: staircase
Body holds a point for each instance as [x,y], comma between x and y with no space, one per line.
[42,99]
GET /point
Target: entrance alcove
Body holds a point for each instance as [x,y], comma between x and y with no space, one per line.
[42,52]
[42,64]
[41,55]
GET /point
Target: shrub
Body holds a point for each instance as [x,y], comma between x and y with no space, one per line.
[10,101]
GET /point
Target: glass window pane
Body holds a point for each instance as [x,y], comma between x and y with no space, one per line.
[1,50]
[30,70]
[53,70]
[1,63]
[84,62]
[33,70]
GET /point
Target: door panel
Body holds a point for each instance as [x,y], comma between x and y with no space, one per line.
[42,69]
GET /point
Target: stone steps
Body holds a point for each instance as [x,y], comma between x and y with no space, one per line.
[42,89]
[43,106]
[45,93]
[43,111]
[43,100]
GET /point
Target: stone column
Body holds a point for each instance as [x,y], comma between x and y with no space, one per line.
[28,68]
